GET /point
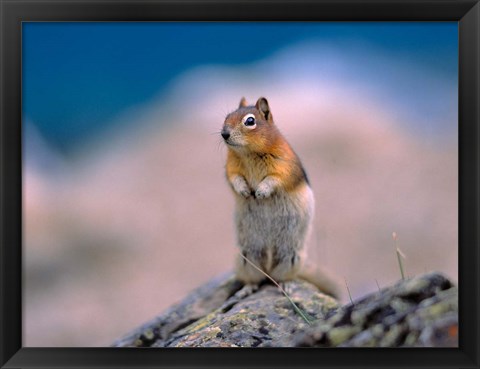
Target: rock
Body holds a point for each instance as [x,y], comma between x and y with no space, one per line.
[418,312]
[195,306]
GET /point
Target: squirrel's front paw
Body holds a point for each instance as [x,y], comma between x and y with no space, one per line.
[263,192]
[240,186]
[242,189]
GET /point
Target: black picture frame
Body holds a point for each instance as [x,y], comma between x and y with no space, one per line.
[14,12]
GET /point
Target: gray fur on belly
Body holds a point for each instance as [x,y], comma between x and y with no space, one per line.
[273,230]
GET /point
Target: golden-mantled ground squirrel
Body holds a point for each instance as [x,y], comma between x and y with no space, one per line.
[274,202]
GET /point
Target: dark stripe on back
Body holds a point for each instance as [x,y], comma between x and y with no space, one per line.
[305,175]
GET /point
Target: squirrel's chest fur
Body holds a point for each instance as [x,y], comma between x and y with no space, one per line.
[256,167]
[288,204]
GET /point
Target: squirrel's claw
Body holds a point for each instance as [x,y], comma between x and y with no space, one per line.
[263,192]
[245,193]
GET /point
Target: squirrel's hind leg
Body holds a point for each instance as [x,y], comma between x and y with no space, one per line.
[285,265]
[247,273]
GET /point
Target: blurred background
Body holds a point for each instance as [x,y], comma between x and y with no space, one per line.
[126,206]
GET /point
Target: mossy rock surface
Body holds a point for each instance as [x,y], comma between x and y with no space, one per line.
[419,312]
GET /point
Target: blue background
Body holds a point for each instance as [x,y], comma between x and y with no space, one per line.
[77,77]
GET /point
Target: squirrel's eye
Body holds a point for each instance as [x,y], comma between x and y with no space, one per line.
[249,121]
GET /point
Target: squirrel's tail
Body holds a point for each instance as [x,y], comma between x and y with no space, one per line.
[321,279]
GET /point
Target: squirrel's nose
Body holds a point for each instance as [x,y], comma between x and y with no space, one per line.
[225,135]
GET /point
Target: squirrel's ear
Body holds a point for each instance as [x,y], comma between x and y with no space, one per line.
[262,106]
[243,103]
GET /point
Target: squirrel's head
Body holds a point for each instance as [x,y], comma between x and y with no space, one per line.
[250,127]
